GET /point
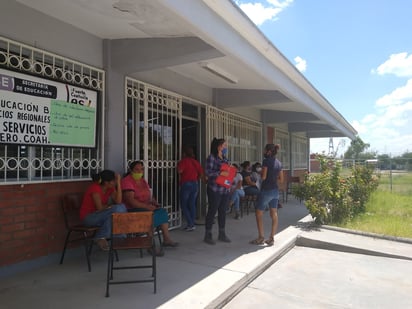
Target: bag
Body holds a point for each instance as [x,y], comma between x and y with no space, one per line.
[226,181]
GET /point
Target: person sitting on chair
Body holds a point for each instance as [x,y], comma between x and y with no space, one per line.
[137,197]
[102,198]
[236,192]
[249,184]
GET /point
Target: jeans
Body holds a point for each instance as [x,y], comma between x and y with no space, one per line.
[266,197]
[218,202]
[251,190]
[103,219]
[235,198]
[188,197]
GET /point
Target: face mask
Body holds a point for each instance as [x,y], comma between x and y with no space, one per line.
[137,176]
[224,152]
[258,169]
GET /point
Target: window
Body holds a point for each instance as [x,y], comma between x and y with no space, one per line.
[243,135]
[300,152]
[21,163]
[282,138]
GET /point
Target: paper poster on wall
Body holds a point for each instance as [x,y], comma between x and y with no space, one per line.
[36,111]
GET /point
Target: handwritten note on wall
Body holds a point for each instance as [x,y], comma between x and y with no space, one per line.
[72,124]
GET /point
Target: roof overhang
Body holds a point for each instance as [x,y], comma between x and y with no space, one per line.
[209,43]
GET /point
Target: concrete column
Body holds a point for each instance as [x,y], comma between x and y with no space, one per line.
[114,124]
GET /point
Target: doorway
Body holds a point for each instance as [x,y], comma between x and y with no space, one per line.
[193,134]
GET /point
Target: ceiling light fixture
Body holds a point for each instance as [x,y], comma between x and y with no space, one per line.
[214,69]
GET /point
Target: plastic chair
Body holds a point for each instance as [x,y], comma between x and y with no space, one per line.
[71,210]
[138,230]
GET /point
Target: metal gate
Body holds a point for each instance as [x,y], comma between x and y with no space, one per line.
[154,135]
[154,120]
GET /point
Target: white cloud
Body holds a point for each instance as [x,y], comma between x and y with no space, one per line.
[398,96]
[387,129]
[262,11]
[398,64]
[300,64]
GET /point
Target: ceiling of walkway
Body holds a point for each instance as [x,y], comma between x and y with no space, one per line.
[204,51]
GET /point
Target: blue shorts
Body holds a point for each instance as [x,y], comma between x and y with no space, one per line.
[266,197]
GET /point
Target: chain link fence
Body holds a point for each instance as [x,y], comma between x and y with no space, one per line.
[395,174]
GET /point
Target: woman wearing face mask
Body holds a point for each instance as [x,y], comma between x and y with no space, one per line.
[256,174]
[137,197]
[249,184]
[217,195]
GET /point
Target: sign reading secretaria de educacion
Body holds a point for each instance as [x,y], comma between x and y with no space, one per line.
[36,111]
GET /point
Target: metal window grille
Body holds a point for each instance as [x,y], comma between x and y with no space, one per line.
[154,136]
[282,138]
[28,164]
[299,152]
[242,135]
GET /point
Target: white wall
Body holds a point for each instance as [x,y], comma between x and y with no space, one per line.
[25,25]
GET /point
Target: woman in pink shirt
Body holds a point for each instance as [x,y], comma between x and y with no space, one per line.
[138,197]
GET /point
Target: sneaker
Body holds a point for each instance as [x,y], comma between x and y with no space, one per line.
[190,229]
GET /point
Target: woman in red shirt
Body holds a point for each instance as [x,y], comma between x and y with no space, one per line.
[102,198]
[190,172]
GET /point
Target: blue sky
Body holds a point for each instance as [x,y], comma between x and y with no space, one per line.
[357,53]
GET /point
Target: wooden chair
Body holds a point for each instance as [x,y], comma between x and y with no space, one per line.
[71,210]
[138,228]
[246,202]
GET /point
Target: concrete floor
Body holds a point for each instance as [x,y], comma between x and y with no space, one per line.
[306,268]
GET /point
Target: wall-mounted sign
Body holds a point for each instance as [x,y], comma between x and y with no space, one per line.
[36,111]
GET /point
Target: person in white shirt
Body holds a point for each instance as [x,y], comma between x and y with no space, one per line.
[236,192]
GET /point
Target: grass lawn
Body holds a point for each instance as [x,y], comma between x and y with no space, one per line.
[388,213]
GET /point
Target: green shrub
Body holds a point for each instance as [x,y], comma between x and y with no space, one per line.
[333,198]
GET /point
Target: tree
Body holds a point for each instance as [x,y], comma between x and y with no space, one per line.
[357,146]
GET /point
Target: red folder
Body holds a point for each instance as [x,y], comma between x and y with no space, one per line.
[226,181]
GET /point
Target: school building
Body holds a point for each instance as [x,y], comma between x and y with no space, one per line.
[87,85]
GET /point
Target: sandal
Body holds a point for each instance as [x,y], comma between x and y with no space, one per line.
[102,243]
[172,244]
[270,241]
[257,241]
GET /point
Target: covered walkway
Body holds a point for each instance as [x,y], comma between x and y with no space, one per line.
[307,268]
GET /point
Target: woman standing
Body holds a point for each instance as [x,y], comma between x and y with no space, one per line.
[218,195]
[269,193]
[190,172]
[102,198]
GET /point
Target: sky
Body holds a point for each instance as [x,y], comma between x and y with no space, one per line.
[357,54]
